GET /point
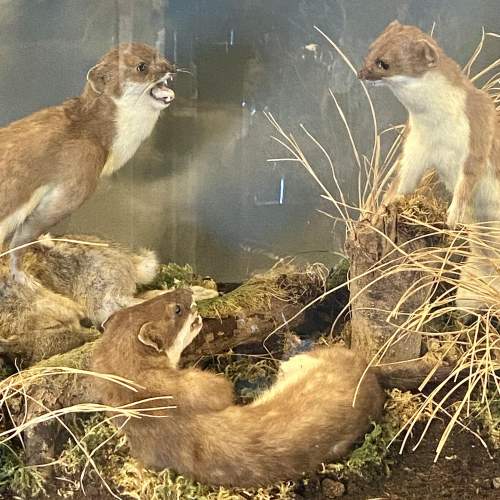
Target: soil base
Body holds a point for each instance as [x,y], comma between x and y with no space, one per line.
[464,470]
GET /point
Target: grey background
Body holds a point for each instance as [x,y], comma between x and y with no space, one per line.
[201,190]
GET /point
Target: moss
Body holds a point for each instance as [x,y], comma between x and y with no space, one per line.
[250,375]
[488,417]
[283,283]
[373,451]
[172,275]
[17,478]
[253,296]
[491,421]
[338,275]
[76,358]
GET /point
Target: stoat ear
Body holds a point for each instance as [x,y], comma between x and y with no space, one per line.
[150,335]
[427,52]
[96,76]
[393,24]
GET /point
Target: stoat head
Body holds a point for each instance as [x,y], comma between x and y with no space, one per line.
[400,54]
[136,70]
[159,327]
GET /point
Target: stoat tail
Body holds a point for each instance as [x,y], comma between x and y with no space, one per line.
[146,266]
[306,418]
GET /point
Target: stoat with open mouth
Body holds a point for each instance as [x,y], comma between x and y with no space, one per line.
[51,161]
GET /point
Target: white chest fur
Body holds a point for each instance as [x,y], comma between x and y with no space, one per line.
[439,127]
[135,120]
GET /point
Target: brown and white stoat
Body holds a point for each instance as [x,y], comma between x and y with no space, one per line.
[307,417]
[453,127]
[51,161]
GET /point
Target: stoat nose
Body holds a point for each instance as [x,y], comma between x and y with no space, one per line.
[86,323]
[166,68]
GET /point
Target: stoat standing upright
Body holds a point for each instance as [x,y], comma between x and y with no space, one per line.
[51,161]
[310,415]
[453,127]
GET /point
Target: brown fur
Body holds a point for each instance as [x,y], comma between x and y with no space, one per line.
[36,323]
[101,279]
[59,152]
[74,285]
[408,51]
[307,417]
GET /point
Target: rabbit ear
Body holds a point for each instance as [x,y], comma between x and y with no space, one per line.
[151,336]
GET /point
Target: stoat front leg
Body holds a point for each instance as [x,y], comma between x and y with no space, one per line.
[458,206]
[408,176]
[464,191]
[407,179]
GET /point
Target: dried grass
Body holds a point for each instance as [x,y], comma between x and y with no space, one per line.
[16,393]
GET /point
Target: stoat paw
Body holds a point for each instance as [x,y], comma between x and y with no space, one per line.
[456,215]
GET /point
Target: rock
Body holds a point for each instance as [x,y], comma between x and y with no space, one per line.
[332,489]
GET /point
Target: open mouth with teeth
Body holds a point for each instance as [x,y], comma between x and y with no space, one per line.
[162,93]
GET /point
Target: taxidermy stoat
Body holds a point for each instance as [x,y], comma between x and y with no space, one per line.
[307,417]
[452,127]
[50,161]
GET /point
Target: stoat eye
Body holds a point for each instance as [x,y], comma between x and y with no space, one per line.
[381,64]
[178,309]
[142,67]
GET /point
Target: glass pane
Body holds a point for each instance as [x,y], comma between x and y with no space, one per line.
[202,190]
